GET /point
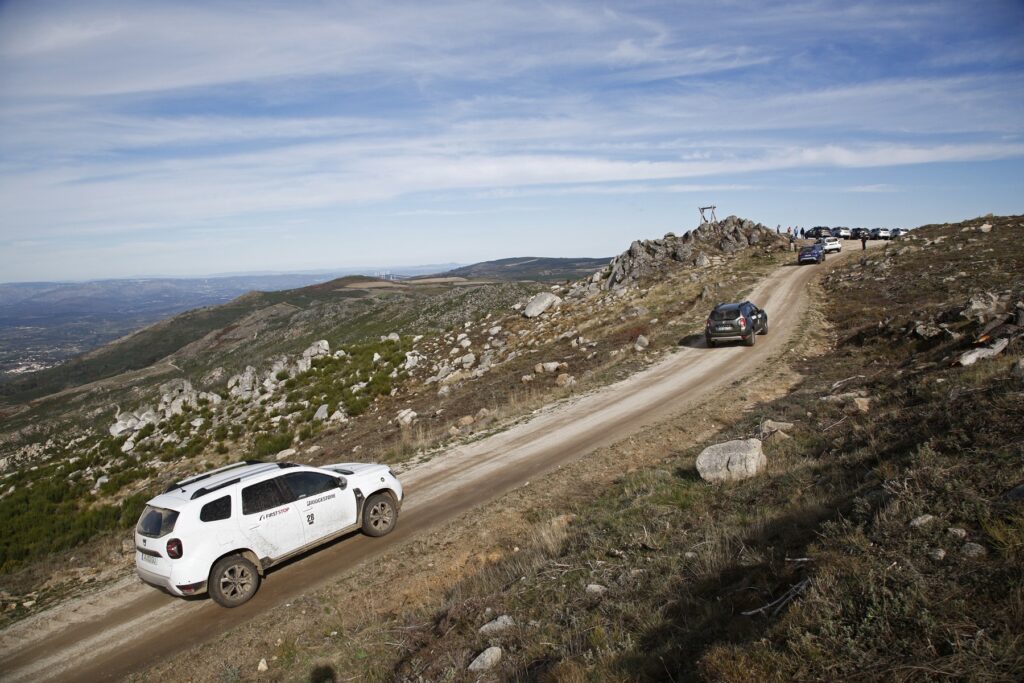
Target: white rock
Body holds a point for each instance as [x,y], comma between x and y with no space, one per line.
[339,416]
[502,623]
[540,303]
[394,337]
[974,355]
[486,660]
[985,228]
[262,666]
[286,453]
[494,331]
[595,589]
[732,460]
[641,343]
[922,520]
[465,343]
[406,417]
[321,413]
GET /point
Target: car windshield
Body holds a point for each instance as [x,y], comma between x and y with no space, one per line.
[156,522]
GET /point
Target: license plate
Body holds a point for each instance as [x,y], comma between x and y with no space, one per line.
[147,558]
[723,328]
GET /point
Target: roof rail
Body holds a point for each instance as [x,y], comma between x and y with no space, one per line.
[207,475]
[203,491]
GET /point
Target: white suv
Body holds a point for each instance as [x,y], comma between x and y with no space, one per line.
[221,530]
[831,244]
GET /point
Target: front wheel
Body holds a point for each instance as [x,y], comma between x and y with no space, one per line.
[710,342]
[764,330]
[379,515]
[233,581]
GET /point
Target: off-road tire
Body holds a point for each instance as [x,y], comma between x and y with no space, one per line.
[764,330]
[710,342]
[233,581]
[749,341]
[380,514]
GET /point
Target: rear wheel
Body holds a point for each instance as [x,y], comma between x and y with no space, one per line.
[233,581]
[379,515]
[749,341]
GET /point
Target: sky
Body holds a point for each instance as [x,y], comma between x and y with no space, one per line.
[193,137]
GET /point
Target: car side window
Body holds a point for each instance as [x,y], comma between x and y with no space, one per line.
[305,484]
[216,510]
[261,496]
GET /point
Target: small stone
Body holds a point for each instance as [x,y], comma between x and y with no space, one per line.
[595,589]
[496,626]
[937,554]
[641,343]
[565,380]
[466,420]
[922,520]
[28,603]
[973,550]
[486,660]
[957,532]
[262,665]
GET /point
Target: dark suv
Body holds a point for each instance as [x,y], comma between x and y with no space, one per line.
[812,253]
[735,321]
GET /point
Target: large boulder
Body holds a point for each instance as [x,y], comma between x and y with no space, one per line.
[540,303]
[731,461]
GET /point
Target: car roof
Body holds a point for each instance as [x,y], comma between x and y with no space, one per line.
[206,483]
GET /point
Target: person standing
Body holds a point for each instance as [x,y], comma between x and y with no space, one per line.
[863,241]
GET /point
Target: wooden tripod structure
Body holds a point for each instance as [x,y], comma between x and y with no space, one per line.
[703,218]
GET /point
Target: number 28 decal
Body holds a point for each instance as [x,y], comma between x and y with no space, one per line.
[309,518]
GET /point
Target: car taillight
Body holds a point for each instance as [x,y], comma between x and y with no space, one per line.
[174,549]
[708,324]
[743,323]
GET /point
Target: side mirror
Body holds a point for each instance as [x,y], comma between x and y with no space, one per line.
[342,484]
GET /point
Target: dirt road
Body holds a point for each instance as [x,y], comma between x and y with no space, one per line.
[129,627]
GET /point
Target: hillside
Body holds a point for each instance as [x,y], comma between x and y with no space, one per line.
[45,323]
[884,540]
[529,268]
[388,369]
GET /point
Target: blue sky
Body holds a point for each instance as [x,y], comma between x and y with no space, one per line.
[188,138]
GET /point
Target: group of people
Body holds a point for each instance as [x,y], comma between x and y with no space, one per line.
[791,232]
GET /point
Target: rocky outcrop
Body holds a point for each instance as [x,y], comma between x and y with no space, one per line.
[646,258]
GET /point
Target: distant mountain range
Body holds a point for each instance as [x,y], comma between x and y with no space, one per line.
[531,268]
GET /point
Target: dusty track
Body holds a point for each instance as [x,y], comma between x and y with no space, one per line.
[130,627]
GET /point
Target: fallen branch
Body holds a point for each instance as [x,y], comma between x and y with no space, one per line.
[834,424]
[778,604]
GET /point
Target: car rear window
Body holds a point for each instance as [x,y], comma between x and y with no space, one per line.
[725,314]
[156,522]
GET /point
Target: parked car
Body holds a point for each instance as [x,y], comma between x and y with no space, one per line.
[898,232]
[858,233]
[818,231]
[841,233]
[741,321]
[881,234]
[220,531]
[813,253]
[831,244]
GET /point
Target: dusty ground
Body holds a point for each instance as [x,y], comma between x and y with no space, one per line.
[106,634]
